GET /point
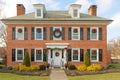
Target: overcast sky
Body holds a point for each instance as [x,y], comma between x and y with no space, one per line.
[106,8]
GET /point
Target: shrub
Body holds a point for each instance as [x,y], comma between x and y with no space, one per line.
[1,67]
[26,60]
[42,67]
[24,68]
[82,67]
[33,68]
[16,68]
[71,67]
[9,67]
[117,66]
[95,67]
[87,59]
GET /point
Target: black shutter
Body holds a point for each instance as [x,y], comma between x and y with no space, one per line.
[81,33]
[69,33]
[69,54]
[100,33]
[88,50]
[81,54]
[13,33]
[32,54]
[32,33]
[25,34]
[44,33]
[100,54]
[88,33]
[51,55]
[51,33]
[13,54]
[63,33]
[44,55]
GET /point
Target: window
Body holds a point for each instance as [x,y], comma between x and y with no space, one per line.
[75,12]
[57,33]
[38,33]
[39,13]
[19,54]
[20,33]
[75,33]
[38,54]
[94,33]
[94,54]
[75,54]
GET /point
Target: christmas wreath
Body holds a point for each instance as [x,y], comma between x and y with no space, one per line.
[75,30]
[57,33]
[19,30]
[94,30]
[38,51]
[75,52]
[38,30]
[94,51]
[57,53]
[19,51]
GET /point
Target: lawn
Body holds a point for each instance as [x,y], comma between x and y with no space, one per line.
[109,76]
[9,76]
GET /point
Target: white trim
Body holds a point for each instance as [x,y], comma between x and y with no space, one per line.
[78,33]
[97,60]
[35,55]
[91,33]
[17,53]
[16,32]
[35,32]
[78,55]
[59,27]
[41,12]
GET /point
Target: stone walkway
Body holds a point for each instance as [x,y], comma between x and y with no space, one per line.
[58,74]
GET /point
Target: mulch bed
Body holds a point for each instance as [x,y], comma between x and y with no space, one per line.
[78,73]
[30,73]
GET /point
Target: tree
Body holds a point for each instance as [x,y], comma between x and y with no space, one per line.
[87,61]
[26,60]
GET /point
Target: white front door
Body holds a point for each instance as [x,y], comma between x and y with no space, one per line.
[57,57]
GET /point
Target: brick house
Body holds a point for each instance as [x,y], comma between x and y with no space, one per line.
[57,36]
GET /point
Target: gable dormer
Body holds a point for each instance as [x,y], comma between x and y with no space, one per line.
[74,10]
[39,10]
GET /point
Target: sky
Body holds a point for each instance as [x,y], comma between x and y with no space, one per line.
[105,8]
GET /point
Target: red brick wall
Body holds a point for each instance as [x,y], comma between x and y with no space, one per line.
[29,44]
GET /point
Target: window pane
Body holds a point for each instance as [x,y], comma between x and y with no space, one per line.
[38,54]
[75,13]
[38,33]
[20,33]
[94,35]
[19,54]
[38,12]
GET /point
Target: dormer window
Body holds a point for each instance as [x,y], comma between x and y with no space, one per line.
[38,12]
[75,12]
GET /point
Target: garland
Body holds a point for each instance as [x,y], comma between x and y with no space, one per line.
[57,33]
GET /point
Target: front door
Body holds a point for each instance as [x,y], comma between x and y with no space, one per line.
[57,57]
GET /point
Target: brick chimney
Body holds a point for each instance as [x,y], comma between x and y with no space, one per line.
[20,9]
[92,10]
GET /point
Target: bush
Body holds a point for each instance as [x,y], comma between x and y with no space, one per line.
[33,68]
[95,67]
[116,66]
[24,68]
[87,59]
[71,67]
[9,67]
[16,68]
[1,67]
[82,67]
[26,60]
[42,67]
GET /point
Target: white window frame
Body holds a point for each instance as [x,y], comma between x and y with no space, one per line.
[16,31]
[91,33]
[36,32]
[61,33]
[78,33]
[97,60]
[17,54]
[77,13]
[78,55]
[41,12]
[35,55]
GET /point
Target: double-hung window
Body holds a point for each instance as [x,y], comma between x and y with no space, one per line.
[94,54]
[38,33]
[39,13]
[19,33]
[94,33]
[19,54]
[38,54]
[75,54]
[75,33]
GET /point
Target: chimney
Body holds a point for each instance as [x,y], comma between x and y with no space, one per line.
[20,9]
[92,10]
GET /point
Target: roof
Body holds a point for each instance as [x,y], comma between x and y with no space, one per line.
[56,15]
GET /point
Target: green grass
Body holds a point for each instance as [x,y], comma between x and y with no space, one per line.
[116,66]
[8,76]
[109,76]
